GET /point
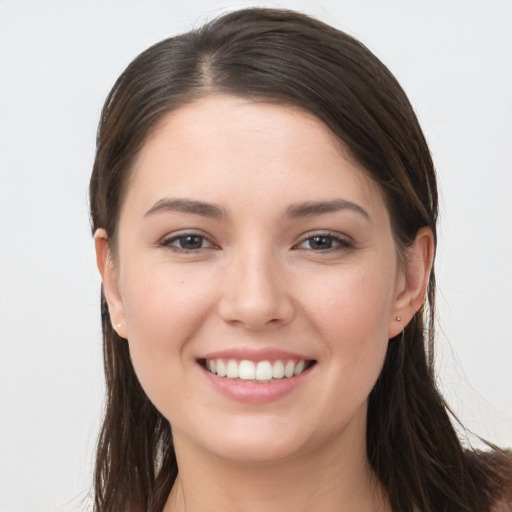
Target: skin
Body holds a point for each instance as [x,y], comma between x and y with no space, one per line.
[258,281]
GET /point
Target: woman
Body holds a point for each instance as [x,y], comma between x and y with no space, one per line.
[264,208]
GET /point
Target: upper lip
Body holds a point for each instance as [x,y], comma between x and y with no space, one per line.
[256,355]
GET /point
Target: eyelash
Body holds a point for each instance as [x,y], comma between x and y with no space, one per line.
[168,242]
[340,243]
[336,242]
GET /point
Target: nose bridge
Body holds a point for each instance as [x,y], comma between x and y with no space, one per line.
[255,293]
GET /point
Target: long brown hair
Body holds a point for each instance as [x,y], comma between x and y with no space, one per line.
[288,58]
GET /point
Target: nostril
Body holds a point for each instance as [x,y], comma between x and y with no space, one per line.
[256,300]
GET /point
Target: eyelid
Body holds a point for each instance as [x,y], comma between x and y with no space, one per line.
[344,241]
[168,240]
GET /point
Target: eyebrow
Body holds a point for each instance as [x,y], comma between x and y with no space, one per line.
[310,209]
[187,206]
[298,210]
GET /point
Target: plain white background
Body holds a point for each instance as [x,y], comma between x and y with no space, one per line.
[58,60]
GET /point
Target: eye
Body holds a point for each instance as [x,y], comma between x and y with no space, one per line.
[324,242]
[187,242]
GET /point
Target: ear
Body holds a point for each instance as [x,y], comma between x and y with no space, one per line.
[110,280]
[414,281]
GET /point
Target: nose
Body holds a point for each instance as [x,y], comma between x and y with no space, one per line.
[255,293]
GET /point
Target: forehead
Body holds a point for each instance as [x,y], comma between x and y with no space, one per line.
[224,148]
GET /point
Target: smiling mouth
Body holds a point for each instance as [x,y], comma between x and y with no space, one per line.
[260,372]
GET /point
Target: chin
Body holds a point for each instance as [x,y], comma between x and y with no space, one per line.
[250,440]
[258,451]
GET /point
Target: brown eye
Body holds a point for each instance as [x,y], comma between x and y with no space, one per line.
[191,242]
[320,243]
[187,242]
[324,242]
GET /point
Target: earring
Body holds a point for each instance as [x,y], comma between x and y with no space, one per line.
[118,325]
[398,319]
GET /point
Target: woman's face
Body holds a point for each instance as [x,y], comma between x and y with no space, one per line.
[251,242]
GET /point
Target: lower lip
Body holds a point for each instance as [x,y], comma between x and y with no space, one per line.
[252,392]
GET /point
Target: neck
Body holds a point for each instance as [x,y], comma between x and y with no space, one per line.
[326,480]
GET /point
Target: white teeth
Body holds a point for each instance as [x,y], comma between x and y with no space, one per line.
[247,370]
[289,368]
[299,368]
[221,368]
[277,370]
[232,369]
[263,371]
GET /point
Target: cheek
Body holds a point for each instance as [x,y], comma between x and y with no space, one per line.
[163,310]
[350,315]
[160,299]
[353,306]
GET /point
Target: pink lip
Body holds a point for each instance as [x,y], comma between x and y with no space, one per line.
[251,392]
[256,355]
